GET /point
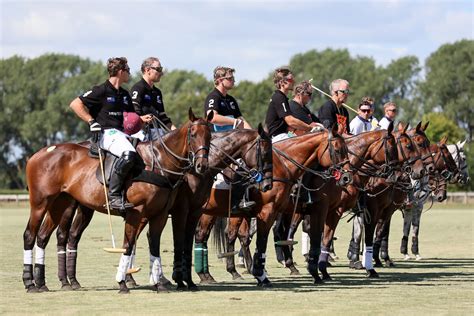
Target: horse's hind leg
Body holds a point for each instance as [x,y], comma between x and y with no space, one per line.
[201,263]
[245,238]
[232,232]
[74,232]
[417,210]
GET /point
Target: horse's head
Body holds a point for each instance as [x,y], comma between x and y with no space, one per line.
[457,152]
[408,154]
[198,141]
[443,161]
[335,155]
[383,152]
[422,143]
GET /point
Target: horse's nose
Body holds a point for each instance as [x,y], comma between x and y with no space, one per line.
[267,186]
[407,169]
[441,197]
[422,172]
[431,168]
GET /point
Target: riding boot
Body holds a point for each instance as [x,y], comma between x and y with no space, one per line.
[404,245]
[122,168]
[238,201]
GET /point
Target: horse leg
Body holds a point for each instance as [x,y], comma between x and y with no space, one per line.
[54,217]
[191,223]
[156,226]
[38,208]
[416,230]
[81,221]
[178,220]
[407,220]
[201,265]
[379,229]
[354,246]
[332,219]
[306,226]
[278,235]
[232,232]
[384,242]
[245,240]
[369,226]
[265,220]
[289,230]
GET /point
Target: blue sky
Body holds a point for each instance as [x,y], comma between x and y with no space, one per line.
[252,36]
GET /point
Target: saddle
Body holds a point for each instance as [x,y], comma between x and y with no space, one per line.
[138,173]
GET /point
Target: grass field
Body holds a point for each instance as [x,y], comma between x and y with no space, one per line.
[440,284]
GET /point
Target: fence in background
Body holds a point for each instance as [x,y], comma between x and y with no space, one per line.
[453,197]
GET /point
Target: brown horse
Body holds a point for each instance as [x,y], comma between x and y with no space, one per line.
[252,146]
[60,176]
[445,169]
[384,196]
[293,157]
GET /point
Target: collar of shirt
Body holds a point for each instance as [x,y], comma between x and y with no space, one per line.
[363,119]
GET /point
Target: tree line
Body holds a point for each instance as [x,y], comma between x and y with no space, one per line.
[36,94]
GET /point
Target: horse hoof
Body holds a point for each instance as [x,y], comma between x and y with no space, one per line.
[160,288]
[66,287]
[406,257]
[418,258]
[378,264]
[193,288]
[389,264]
[372,274]
[237,277]
[357,265]
[124,291]
[318,281]
[75,285]
[326,277]
[295,272]
[165,281]
[32,289]
[265,284]
[43,288]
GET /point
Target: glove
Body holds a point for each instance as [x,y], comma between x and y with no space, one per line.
[95,130]
[316,129]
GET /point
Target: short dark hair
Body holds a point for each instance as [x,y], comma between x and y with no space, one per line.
[115,64]
[304,87]
[367,101]
[147,63]
[281,74]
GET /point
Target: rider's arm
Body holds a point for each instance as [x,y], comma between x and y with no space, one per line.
[295,123]
[221,119]
[81,110]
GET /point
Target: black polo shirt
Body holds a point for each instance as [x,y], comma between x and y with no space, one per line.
[223,105]
[107,104]
[278,109]
[302,113]
[329,114]
[149,100]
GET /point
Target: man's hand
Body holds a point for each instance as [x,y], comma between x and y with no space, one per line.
[95,130]
[146,118]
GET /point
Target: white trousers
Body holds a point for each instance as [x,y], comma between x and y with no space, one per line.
[152,135]
[115,142]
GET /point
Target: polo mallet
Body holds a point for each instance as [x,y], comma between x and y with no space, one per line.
[113,249]
[322,92]
[230,253]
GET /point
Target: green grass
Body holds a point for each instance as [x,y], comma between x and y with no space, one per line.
[441,284]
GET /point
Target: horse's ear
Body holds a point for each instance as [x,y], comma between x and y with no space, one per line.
[418,127]
[192,117]
[261,131]
[390,128]
[443,140]
[406,128]
[424,127]
[400,126]
[210,116]
[461,145]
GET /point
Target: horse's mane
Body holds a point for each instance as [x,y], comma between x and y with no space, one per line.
[286,143]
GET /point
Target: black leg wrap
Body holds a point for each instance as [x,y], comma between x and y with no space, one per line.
[62,275]
[404,246]
[414,245]
[258,264]
[376,254]
[384,250]
[39,277]
[71,263]
[28,276]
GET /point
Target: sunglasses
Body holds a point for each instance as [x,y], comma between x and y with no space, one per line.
[392,110]
[365,111]
[127,70]
[159,69]
[229,78]
[344,91]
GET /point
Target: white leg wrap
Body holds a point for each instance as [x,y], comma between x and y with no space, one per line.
[368,255]
[304,243]
[122,268]
[39,255]
[155,269]
[27,256]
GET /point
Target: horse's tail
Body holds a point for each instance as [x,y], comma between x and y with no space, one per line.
[219,234]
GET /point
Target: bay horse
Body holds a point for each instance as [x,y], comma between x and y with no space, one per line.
[62,175]
[447,168]
[292,157]
[252,146]
[385,197]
